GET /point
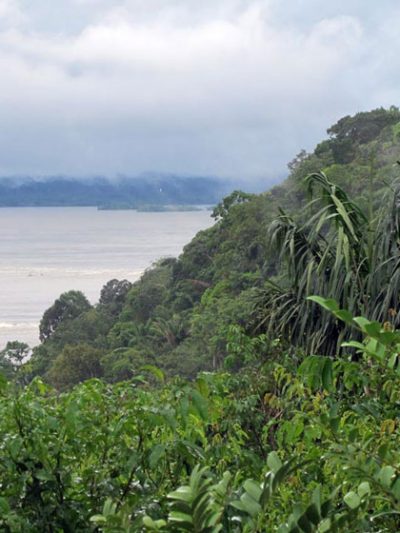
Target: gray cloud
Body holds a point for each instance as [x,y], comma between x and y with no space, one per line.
[230,88]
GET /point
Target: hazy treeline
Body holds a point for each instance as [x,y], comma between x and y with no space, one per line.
[122,193]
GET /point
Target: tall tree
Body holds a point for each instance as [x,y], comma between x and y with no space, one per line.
[68,306]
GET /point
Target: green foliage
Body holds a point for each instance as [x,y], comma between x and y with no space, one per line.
[350,132]
[235,198]
[340,253]
[75,364]
[122,364]
[12,357]
[113,295]
[290,442]
[274,448]
[148,293]
[67,307]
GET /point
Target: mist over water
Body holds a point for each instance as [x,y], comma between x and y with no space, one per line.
[47,251]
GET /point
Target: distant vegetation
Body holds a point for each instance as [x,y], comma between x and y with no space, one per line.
[252,384]
[152,208]
[119,194]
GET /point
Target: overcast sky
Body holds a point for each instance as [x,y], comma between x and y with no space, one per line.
[216,87]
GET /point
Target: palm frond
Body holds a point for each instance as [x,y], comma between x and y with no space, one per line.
[337,252]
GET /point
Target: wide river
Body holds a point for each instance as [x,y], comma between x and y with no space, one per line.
[47,251]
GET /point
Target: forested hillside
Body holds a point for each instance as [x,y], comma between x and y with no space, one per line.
[183,313]
[252,384]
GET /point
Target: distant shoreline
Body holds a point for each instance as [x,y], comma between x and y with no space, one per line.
[140,209]
[145,194]
[154,208]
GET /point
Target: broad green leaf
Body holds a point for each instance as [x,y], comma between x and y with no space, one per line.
[354,344]
[156,525]
[253,489]
[325,526]
[252,507]
[44,475]
[184,520]
[327,374]
[344,315]
[352,500]
[237,504]
[364,489]
[386,475]
[373,329]
[327,303]
[273,462]
[98,519]
[396,488]
[392,360]
[182,493]
[389,337]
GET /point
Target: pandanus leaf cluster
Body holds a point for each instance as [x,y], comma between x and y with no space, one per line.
[338,251]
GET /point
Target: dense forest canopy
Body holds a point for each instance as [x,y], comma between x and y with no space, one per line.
[252,384]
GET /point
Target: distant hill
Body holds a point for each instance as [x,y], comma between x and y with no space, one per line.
[121,194]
